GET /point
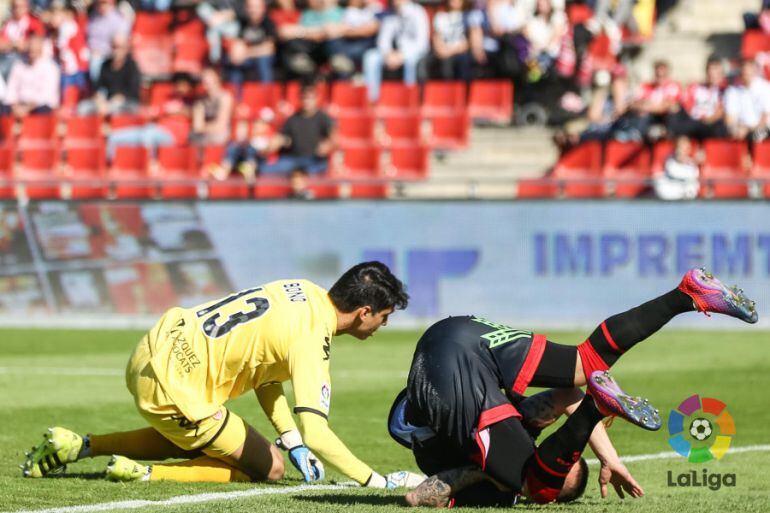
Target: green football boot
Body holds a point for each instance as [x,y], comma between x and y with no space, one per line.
[59,447]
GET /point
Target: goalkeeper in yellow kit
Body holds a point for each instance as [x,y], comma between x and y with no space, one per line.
[194,360]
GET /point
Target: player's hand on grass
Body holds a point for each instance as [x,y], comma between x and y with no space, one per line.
[301,457]
[616,474]
[400,479]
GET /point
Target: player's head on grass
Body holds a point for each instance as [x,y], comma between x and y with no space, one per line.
[575,484]
[364,298]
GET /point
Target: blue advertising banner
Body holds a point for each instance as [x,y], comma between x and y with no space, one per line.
[532,264]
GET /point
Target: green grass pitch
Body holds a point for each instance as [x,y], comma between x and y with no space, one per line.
[74,379]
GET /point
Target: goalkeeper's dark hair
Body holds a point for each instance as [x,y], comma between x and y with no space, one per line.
[368,284]
[578,489]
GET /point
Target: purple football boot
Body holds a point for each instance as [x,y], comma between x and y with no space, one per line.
[613,402]
[711,295]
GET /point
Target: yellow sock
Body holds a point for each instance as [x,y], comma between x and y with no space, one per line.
[141,444]
[199,470]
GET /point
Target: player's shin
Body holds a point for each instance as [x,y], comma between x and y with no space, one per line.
[621,332]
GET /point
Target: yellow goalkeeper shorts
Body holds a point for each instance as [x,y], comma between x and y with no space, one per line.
[221,434]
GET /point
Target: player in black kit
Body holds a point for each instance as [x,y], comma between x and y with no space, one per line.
[460,413]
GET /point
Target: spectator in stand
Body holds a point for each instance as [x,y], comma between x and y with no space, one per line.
[656,101]
[702,115]
[679,179]
[496,42]
[545,32]
[105,23]
[244,154]
[14,34]
[357,34]
[33,86]
[221,19]
[450,58]
[306,141]
[747,104]
[760,20]
[251,56]
[211,112]
[70,46]
[404,39]
[320,33]
[608,111]
[285,16]
[117,87]
[163,131]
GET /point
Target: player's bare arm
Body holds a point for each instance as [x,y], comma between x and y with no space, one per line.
[436,491]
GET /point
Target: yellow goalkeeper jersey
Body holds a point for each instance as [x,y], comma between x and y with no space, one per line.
[254,340]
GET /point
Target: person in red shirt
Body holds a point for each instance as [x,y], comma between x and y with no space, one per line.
[656,100]
[70,46]
[14,34]
[702,115]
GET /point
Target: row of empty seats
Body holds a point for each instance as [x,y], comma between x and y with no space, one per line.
[625,169]
[180,172]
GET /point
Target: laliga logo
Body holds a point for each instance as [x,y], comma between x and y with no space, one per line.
[701,429]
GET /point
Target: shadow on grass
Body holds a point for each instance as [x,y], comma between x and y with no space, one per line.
[78,475]
[353,499]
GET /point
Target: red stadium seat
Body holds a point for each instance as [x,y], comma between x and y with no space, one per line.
[257,95]
[491,100]
[230,188]
[403,130]
[322,190]
[125,120]
[178,172]
[536,188]
[83,132]
[579,169]
[627,168]
[190,56]
[152,23]
[348,98]
[754,42]
[6,173]
[360,162]
[397,99]
[7,124]
[37,131]
[408,163]
[660,152]
[70,97]
[272,188]
[449,131]
[130,172]
[160,93]
[724,174]
[38,173]
[84,174]
[442,98]
[355,130]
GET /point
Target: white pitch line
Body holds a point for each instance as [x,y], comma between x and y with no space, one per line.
[670,455]
[186,499]
[223,496]
[61,371]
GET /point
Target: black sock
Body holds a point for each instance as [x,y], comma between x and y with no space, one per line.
[565,445]
[548,467]
[621,332]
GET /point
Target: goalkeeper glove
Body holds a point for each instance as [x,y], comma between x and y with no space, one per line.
[400,479]
[300,456]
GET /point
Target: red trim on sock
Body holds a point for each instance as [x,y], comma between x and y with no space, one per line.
[590,359]
[531,362]
[610,339]
[549,469]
